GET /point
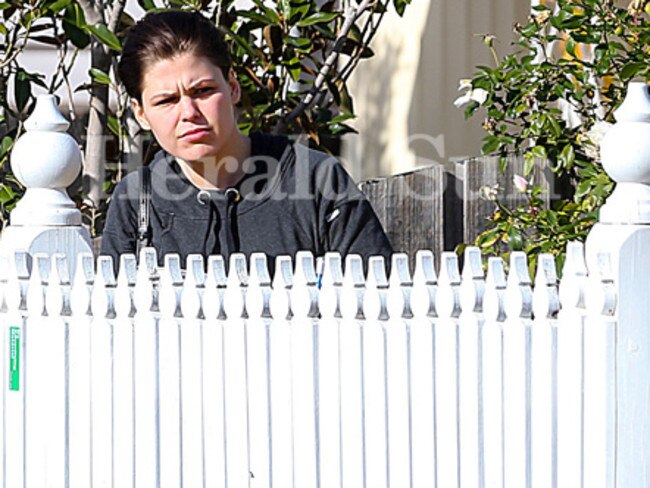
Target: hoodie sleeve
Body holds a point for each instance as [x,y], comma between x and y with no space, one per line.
[349,222]
[353,228]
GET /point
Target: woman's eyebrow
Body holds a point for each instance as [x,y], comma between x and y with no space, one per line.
[201,81]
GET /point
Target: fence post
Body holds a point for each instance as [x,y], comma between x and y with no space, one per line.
[624,232]
[46,160]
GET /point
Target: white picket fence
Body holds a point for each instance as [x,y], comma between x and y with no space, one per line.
[216,379]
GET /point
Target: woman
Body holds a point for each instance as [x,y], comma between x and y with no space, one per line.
[215,190]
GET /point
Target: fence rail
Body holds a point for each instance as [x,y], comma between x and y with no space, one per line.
[215,378]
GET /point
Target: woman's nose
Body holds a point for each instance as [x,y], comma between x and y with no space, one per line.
[189,110]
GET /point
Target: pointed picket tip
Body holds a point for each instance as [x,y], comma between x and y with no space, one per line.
[280,302]
[304,293]
[82,284]
[236,287]
[126,279]
[472,288]
[423,295]
[170,287]
[600,291]
[259,287]
[448,293]
[546,298]
[57,295]
[400,286]
[305,268]
[103,293]
[574,277]
[145,292]
[519,293]
[38,281]
[216,275]
[495,289]
[215,287]
[18,281]
[148,262]
[353,288]
[332,269]
[193,287]
[400,274]
[376,294]
[329,296]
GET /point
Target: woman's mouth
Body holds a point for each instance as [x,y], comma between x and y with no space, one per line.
[195,134]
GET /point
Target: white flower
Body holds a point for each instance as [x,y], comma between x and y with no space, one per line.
[594,137]
[464,84]
[489,193]
[478,95]
[521,183]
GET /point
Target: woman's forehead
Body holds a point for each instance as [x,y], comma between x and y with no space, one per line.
[185,70]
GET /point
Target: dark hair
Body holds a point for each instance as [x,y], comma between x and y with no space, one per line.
[164,35]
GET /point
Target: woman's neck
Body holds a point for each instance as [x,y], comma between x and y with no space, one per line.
[221,171]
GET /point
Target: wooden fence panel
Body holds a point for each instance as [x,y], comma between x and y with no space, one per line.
[410,208]
[437,207]
[476,173]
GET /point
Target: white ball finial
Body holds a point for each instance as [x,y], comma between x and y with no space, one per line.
[625,152]
[46,160]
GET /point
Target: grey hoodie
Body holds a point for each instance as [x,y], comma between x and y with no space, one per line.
[292,198]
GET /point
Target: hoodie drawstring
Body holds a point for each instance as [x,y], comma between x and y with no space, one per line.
[232,198]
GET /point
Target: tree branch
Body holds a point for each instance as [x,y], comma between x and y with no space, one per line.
[91,11]
[350,18]
[367,34]
[115,14]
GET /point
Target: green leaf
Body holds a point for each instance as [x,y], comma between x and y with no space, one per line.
[57,6]
[400,6]
[75,16]
[630,70]
[539,152]
[4,5]
[7,194]
[22,89]
[113,124]
[147,5]
[567,157]
[515,239]
[294,67]
[99,76]
[491,144]
[554,125]
[529,163]
[74,24]
[341,118]
[319,18]
[341,129]
[252,15]
[5,145]
[105,36]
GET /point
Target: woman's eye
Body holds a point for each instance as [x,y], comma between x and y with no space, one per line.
[206,90]
[165,101]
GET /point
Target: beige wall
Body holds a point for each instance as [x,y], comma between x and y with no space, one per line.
[404,94]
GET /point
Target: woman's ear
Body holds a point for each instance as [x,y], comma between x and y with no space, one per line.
[235,87]
[138,111]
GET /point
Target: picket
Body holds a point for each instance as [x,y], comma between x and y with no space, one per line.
[203,377]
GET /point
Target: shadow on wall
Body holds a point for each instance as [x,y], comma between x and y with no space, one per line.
[373,93]
[451,47]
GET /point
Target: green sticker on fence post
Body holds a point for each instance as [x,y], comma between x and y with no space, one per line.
[14,358]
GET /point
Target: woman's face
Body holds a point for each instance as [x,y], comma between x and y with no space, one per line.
[189,106]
